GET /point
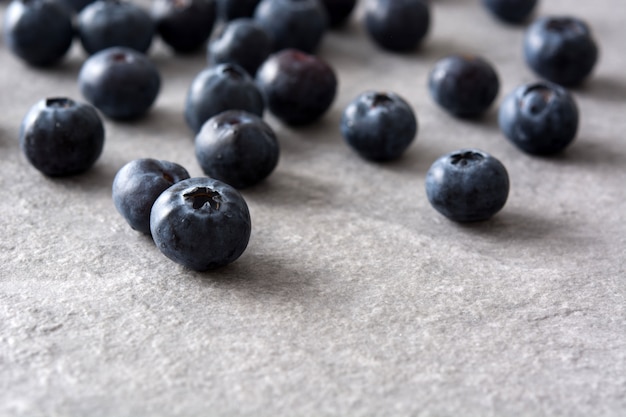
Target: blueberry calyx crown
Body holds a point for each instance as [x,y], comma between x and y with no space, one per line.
[167,177]
[542,90]
[565,24]
[464,158]
[200,196]
[232,72]
[180,4]
[120,56]
[299,56]
[380,99]
[59,102]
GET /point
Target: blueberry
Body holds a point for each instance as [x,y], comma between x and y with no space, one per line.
[397,25]
[234,9]
[238,148]
[299,24]
[40,32]
[511,11]
[77,5]
[467,185]
[539,118]
[61,137]
[338,11]
[220,88]
[242,42]
[184,25]
[138,184]
[379,126]
[201,223]
[107,23]
[560,49]
[121,82]
[464,85]
[298,87]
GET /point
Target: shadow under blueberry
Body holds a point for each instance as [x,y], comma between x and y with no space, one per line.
[160,121]
[97,179]
[260,275]
[588,151]
[288,189]
[511,226]
[436,47]
[323,130]
[603,88]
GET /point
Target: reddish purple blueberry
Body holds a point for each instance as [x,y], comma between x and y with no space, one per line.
[299,88]
[464,85]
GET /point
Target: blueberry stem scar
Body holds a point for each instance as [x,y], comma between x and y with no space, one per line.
[201,196]
[464,158]
[59,102]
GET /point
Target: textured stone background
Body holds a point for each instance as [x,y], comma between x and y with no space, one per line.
[354,297]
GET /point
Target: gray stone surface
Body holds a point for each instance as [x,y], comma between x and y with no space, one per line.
[354,297]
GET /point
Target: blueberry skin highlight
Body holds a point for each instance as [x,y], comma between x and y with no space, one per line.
[238,148]
[338,11]
[201,223]
[560,49]
[184,25]
[108,23]
[298,24]
[61,137]
[464,85]
[220,88]
[39,32]
[467,185]
[298,88]
[242,42]
[234,9]
[510,11]
[397,25]
[121,82]
[138,184]
[539,118]
[379,126]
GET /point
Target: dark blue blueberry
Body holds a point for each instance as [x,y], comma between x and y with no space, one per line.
[338,11]
[61,137]
[242,42]
[77,5]
[539,118]
[379,126]
[299,88]
[234,9]
[39,32]
[220,88]
[299,24]
[511,11]
[560,49]
[397,25]
[464,85]
[121,82]
[185,25]
[238,148]
[201,223]
[467,185]
[138,184]
[107,23]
